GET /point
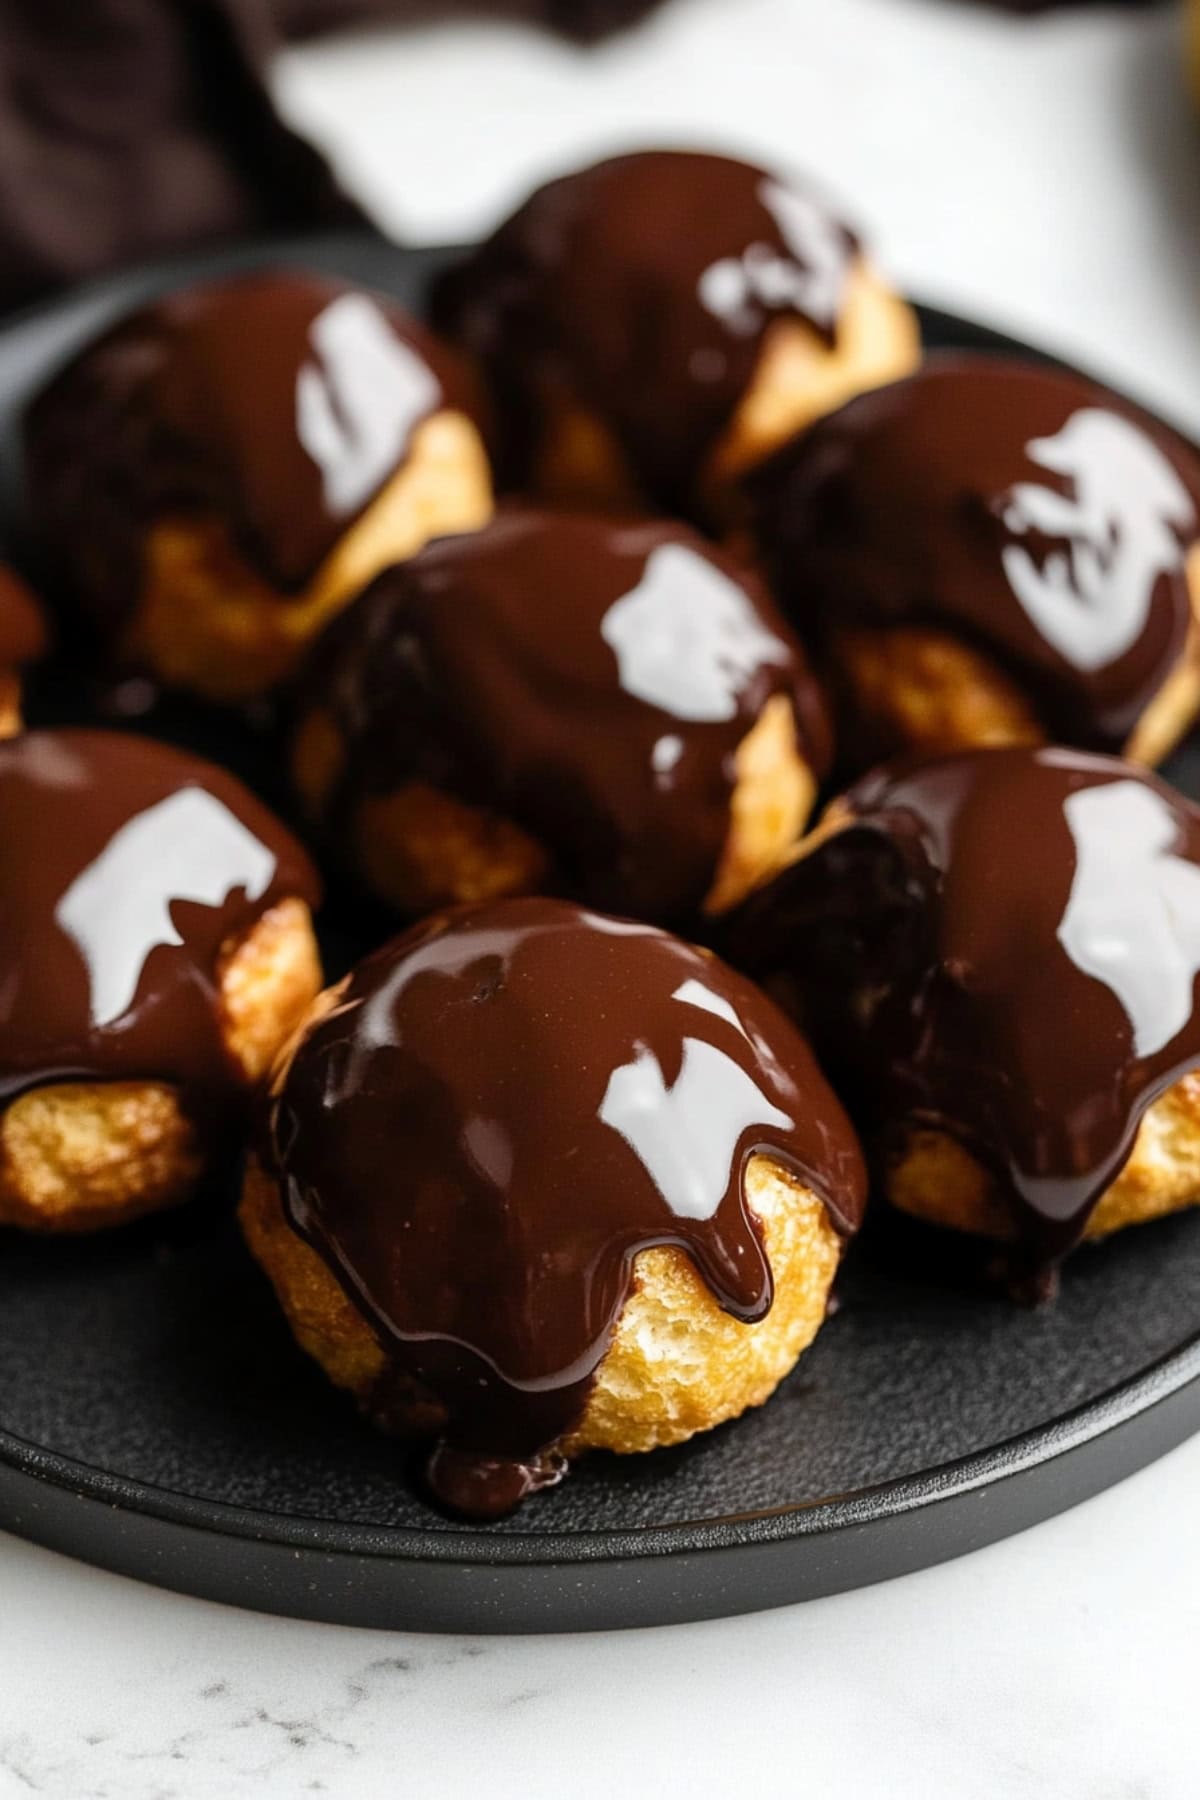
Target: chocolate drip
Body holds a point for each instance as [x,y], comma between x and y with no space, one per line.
[507,1105]
[1001,945]
[278,403]
[1021,508]
[128,866]
[22,628]
[642,288]
[589,679]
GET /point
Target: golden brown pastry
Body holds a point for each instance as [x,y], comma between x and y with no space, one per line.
[992,552]
[655,324]
[607,707]
[157,951]
[219,473]
[22,641]
[539,1181]
[997,952]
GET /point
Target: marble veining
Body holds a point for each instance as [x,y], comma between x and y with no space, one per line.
[1048,1667]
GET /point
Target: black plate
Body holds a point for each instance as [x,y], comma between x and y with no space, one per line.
[158,1420]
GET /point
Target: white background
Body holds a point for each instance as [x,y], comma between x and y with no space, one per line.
[1045,175]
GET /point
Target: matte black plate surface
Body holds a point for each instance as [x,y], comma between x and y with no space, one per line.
[155,1417]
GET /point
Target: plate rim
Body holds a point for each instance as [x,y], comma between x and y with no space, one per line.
[1083,1425]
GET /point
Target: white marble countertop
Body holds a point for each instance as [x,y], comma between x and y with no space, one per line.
[1044,175]
[1060,1665]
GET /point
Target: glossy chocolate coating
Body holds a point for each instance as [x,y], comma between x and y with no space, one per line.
[1002,945]
[128,866]
[589,679]
[278,404]
[642,289]
[507,1105]
[22,627]
[1016,506]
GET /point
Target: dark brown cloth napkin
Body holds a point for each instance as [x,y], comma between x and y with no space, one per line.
[129,128]
[582,19]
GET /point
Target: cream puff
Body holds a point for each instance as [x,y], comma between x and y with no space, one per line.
[609,708]
[157,951]
[656,323]
[997,950]
[219,473]
[992,552]
[538,1181]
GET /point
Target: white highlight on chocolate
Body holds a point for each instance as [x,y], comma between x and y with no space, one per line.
[810,280]
[686,1136]
[686,638]
[694,993]
[118,910]
[1122,525]
[1133,916]
[666,753]
[357,406]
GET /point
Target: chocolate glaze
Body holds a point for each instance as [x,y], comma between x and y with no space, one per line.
[279,403]
[590,679]
[1016,506]
[508,1104]
[1003,945]
[22,627]
[643,287]
[128,865]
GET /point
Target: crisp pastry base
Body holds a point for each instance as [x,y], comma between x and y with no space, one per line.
[579,462]
[800,378]
[910,689]
[934,1178]
[420,849]
[207,623]
[1176,706]
[10,704]
[77,1156]
[773,795]
[677,1363]
[916,689]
